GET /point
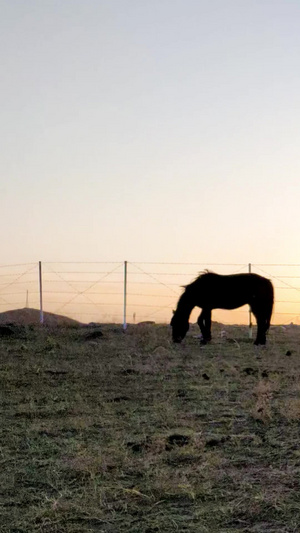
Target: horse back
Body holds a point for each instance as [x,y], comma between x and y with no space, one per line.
[232,291]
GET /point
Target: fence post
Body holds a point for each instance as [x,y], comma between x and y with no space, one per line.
[125,296]
[41,294]
[250,315]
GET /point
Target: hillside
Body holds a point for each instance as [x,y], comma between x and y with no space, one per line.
[29,316]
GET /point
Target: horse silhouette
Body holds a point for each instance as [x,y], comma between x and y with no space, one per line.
[214,291]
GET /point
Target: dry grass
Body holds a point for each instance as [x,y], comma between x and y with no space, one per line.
[130,433]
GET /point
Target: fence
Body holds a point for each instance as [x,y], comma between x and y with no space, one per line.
[132,292]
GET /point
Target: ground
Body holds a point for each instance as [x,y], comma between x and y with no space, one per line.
[127,432]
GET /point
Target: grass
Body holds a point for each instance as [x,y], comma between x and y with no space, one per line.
[131,433]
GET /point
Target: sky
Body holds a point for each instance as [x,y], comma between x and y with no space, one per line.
[162,130]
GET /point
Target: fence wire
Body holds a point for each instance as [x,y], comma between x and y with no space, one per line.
[94,292]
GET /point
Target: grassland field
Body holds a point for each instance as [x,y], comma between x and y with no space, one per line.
[129,432]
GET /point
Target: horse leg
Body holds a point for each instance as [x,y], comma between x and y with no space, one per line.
[200,323]
[207,322]
[265,320]
[262,311]
[204,323]
[262,327]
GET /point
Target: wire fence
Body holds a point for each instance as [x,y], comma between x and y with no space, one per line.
[105,292]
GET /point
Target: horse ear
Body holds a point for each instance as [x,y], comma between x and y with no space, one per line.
[173,311]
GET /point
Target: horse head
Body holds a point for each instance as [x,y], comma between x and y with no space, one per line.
[180,327]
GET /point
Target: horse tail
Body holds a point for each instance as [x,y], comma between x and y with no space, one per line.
[269,303]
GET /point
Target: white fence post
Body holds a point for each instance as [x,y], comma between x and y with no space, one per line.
[41,293]
[250,315]
[125,296]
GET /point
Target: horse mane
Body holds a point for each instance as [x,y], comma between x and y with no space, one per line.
[203,274]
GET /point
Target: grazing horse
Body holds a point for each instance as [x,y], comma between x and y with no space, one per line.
[214,291]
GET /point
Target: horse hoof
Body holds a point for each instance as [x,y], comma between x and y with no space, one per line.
[203,342]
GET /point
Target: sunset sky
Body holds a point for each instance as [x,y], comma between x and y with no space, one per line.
[162,130]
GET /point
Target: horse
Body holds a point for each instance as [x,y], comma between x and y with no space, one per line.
[214,291]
